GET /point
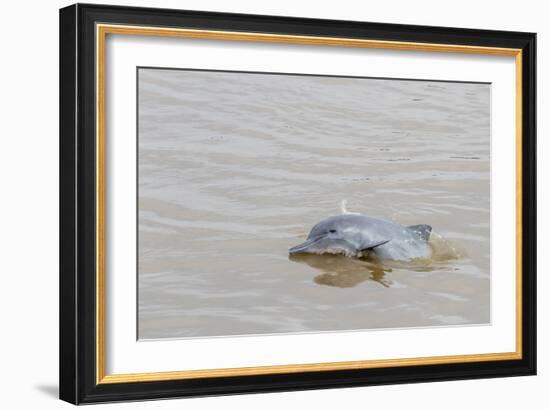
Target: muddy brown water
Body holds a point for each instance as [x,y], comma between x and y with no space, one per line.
[235,168]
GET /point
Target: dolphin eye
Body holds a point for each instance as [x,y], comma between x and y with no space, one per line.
[332,231]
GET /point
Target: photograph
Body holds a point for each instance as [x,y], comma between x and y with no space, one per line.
[277,203]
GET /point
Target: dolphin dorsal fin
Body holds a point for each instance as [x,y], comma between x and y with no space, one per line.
[423,230]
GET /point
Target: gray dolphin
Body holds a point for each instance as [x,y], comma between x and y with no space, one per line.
[354,235]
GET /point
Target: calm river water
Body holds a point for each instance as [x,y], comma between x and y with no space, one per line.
[235,168]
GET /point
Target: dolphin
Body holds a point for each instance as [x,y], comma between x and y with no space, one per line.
[356,235]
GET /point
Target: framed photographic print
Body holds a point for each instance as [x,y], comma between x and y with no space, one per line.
[258,203]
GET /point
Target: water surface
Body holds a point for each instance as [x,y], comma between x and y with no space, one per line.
[235,168]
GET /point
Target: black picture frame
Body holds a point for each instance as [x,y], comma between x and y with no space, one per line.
[78,312]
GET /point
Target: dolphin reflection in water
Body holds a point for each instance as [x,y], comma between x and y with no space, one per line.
[343,272]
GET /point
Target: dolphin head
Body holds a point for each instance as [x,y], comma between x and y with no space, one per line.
[327,236]
[346,234]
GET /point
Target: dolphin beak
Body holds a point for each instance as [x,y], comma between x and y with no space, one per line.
[304,247]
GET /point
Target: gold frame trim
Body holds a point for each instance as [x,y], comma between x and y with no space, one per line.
[101,32]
